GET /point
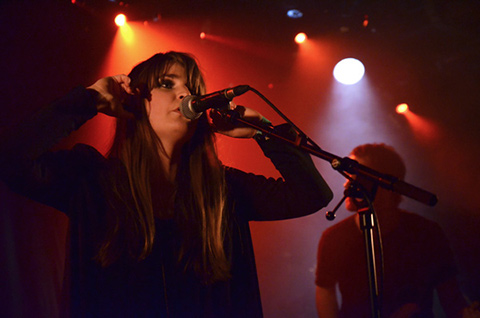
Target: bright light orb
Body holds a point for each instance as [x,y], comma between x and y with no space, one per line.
[402,108]
[120,20]
[349,71]
[300,37]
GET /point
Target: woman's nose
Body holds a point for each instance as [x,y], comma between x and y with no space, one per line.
[183,92]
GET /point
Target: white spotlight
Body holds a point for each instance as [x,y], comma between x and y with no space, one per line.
[349,71]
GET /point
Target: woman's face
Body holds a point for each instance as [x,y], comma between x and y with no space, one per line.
[163,108]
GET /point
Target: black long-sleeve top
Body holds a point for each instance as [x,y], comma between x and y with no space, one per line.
[77,182]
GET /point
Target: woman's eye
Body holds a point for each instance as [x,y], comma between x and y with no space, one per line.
[166,84]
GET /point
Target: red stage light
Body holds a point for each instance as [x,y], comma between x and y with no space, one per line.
[402,108]
[365,21]
[120,20]
[300,37]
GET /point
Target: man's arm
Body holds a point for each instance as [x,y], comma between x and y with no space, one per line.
[327,305]
[451,298]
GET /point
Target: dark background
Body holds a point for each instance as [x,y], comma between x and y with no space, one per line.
[422,52]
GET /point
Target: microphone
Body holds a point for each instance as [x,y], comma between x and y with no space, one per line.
[193,106]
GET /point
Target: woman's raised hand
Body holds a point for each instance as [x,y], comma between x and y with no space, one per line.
[111,94]
[223,126]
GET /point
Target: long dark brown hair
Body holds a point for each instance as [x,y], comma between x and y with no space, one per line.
[199,188]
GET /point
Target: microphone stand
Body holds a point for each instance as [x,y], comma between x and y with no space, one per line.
[343,164]
[346,165]
[367,224]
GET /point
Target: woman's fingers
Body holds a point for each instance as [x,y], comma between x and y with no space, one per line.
[113,92]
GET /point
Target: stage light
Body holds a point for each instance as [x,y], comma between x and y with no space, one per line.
[120,20]
[349,71]
[294,14]
[300,37]
[402,108]
[365,21]
[203,35]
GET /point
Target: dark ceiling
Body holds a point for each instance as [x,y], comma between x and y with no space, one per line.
[450,28]
[324,16]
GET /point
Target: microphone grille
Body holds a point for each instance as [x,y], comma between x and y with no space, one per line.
[186,108]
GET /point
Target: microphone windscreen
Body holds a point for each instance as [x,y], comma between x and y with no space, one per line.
[187,110]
